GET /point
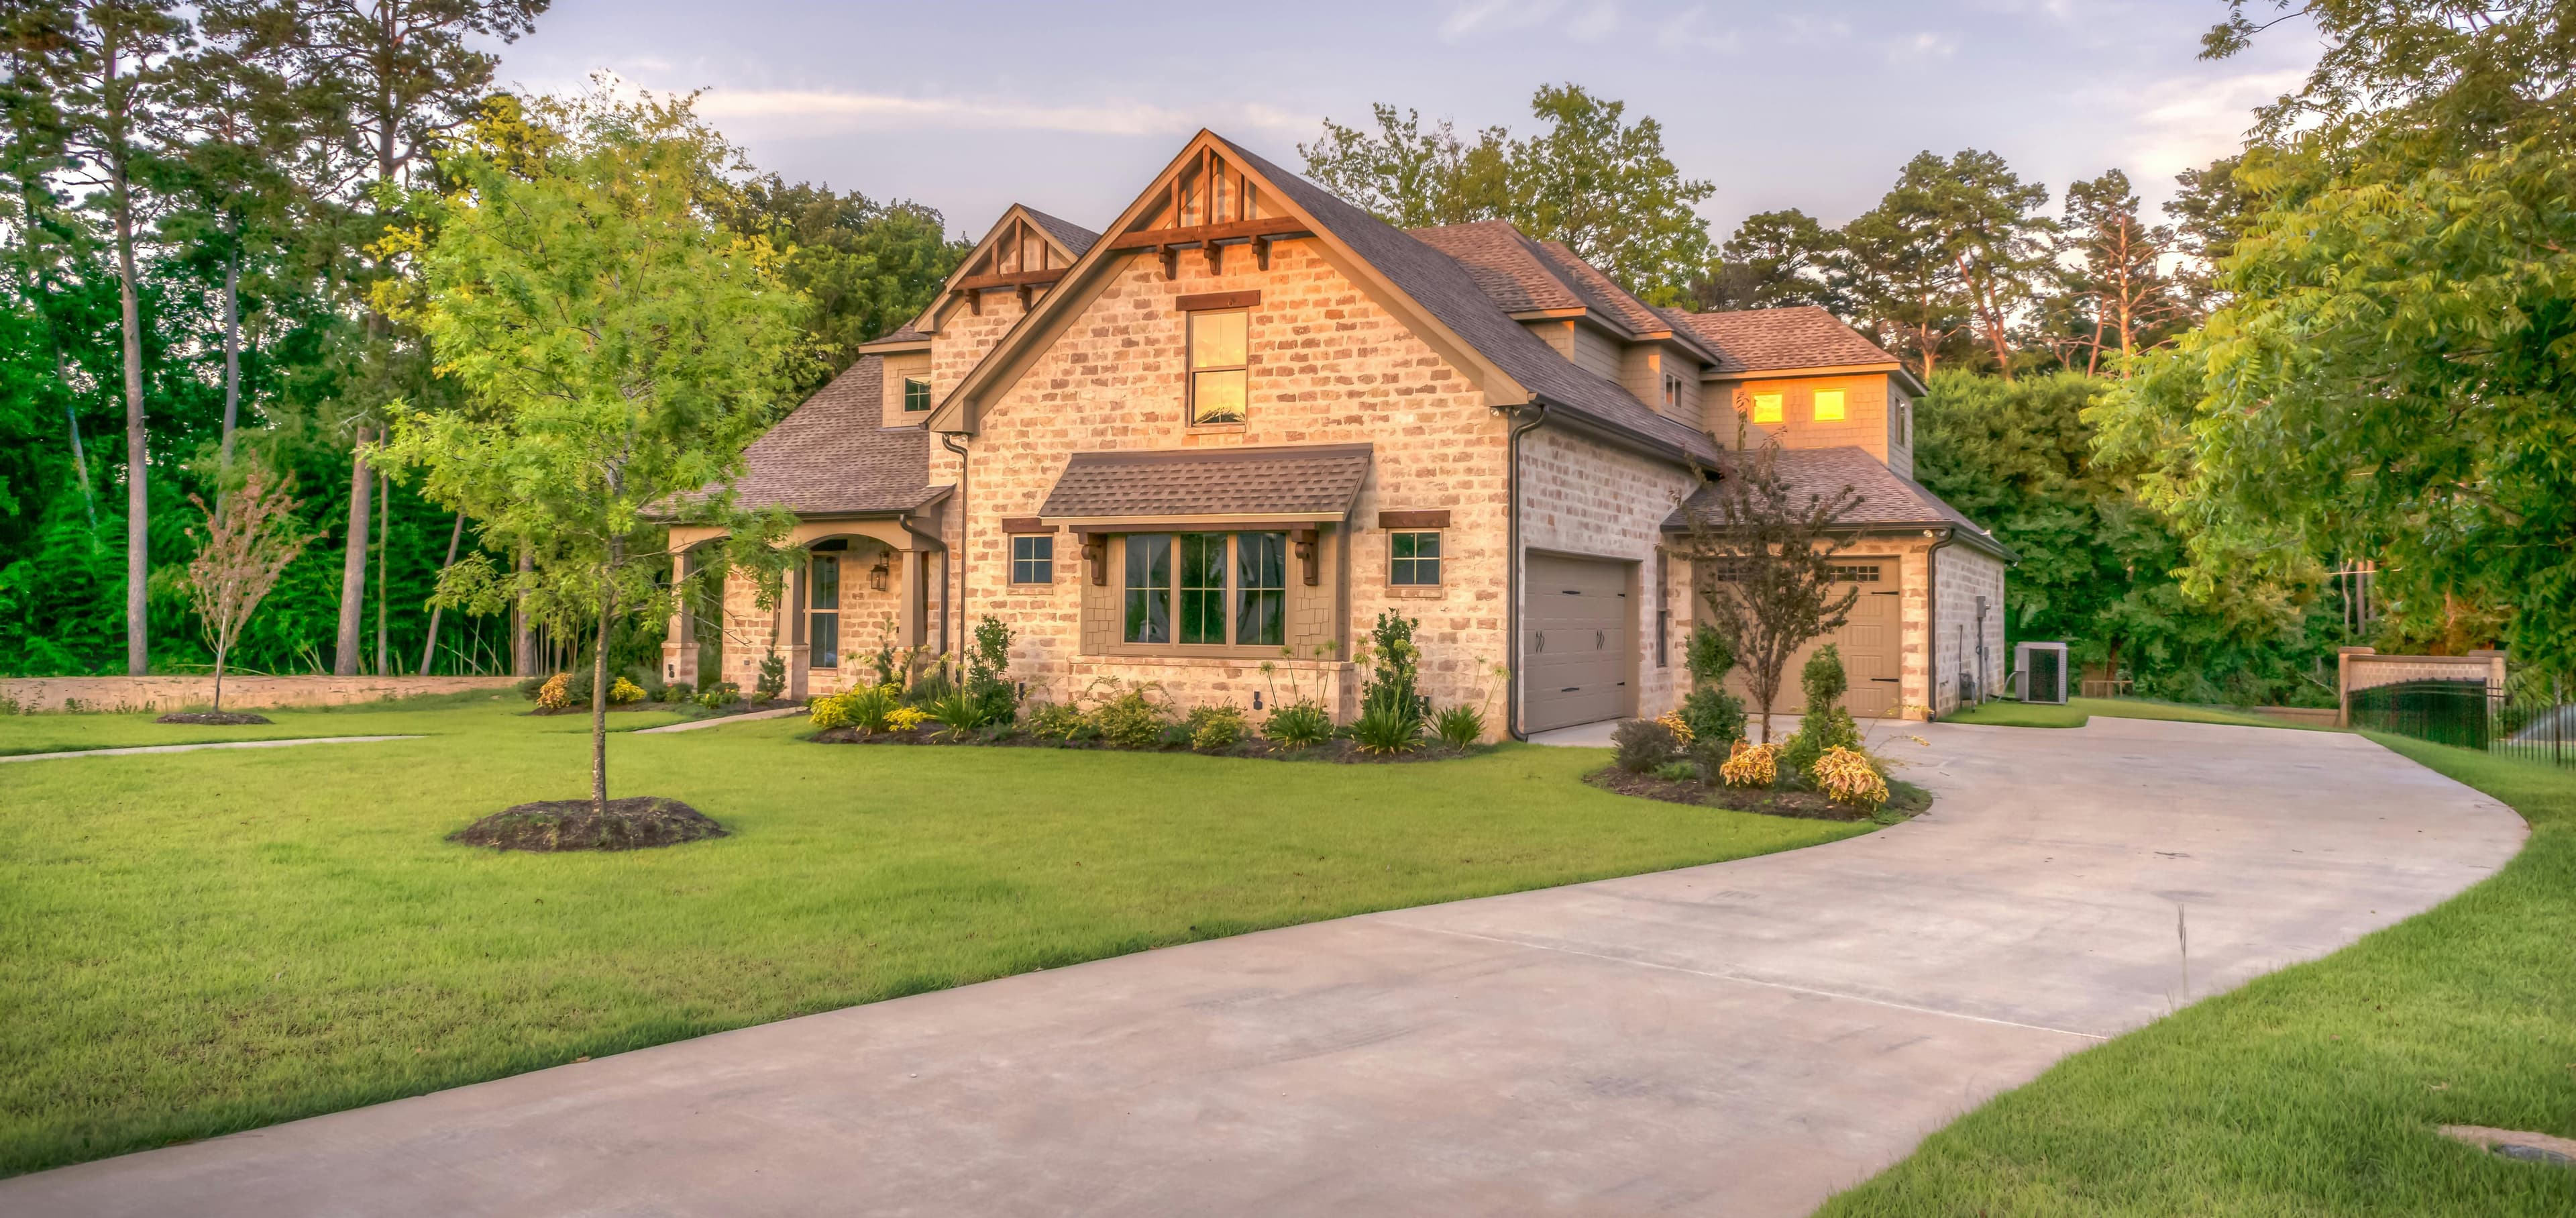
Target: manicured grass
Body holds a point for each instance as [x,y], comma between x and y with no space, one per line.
[2077,710]
[197,943]
[56,733]
[2315,1090]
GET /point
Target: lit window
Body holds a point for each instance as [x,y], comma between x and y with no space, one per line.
[916,394]
[823,601]
[1218,342]
[1766,408]
[1413,560]
[1829,405]
[1032,559]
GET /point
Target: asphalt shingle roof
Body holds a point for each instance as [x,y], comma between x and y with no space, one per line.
[1775,340]
[1887,499]
[1074,237]
[1297,482]
[832,456]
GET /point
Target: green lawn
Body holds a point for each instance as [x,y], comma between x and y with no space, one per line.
[198,943]
[2040,714]
[56,733]
[2315,1090]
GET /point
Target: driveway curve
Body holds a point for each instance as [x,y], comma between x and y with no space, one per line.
[1740,1039]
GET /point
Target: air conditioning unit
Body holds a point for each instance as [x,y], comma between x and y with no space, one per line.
[2039,672]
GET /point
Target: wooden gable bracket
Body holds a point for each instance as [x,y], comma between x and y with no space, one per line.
[1095,553]
[1261,252]
[1171,260]
[1309,559]
[974,298]
[1025,290]
[1216,258]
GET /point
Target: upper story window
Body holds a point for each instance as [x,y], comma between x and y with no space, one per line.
[1032,558]
[1904,421]
[1218,366]
[1231,589]
[1672,391]
[1766,408]
[1829,405]
[916,393]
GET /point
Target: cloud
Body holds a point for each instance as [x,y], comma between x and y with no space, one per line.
[1925,45]
[817,110]
[2184,122]
[1811,30]
[1474,17]
[1596,22]
[1693,33]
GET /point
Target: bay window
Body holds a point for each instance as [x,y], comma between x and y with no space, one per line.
[1230,589]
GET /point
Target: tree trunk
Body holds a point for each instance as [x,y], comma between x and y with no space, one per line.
[599,708]
[219,678]
[138,499]
[232,366]
[429,650]
[353,562]
[384,554]
[523,639]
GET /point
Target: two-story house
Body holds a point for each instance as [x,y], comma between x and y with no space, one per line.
[1247,418]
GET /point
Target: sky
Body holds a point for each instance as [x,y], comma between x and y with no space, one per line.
[1071,108]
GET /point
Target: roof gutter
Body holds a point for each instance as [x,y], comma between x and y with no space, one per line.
[1610,433]
[1513,562]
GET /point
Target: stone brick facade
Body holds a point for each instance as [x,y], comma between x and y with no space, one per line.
[33,695]
[1966,576]
[1587,499]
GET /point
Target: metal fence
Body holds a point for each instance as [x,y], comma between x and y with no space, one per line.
[2531,724]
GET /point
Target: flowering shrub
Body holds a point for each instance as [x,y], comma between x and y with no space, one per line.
[906,718]
[1751,765]
[866,708]
[625,692]
[1847,777]
[1681,729]
[556,693]
[1132,720]
[1214,728]
[1056,721]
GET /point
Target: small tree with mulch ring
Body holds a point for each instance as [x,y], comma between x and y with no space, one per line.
[245,546]
[1762,563]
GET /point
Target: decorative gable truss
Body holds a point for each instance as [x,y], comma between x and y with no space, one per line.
[1213,204]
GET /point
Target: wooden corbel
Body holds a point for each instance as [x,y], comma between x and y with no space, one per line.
[1216,258]
[1310,556]
[1261,252]
[1171,261]
[1095,553]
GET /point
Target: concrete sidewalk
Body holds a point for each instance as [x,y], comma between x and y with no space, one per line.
[1738,1039]
[197,748]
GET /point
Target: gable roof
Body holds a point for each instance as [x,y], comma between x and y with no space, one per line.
[1074,238]
[1781,339]
[1069,239]
[1300,481]
[1523,276]
[1887,501]
[832,455]
[1444,288]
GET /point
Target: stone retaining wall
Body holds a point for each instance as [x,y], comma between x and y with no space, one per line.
[30,695]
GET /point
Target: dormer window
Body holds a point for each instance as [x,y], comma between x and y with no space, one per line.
[1766,408]
[1829,405]
[916,394]
[1218,366]
[1672,391]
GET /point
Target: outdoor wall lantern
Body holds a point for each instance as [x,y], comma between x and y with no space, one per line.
[877,576]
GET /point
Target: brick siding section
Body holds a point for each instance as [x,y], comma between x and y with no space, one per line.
[1966,574]
[1585,498]
[33,695]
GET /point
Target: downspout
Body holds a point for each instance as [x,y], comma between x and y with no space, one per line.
[1932,624]
[965,469]
[1513,562]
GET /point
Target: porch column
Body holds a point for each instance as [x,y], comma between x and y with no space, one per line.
[798,651]
[914,597]
[680,644]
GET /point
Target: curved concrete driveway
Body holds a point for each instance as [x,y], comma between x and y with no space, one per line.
[1736,1039]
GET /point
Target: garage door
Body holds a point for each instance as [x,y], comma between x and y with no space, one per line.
[1575,641]
[1869,641]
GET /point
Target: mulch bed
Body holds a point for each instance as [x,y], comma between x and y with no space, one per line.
[213,718]
[1340,752]
[634,823]
[1903,798]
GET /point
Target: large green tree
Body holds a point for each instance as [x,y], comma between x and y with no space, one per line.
[1589,177]
[620,349]
[868,267]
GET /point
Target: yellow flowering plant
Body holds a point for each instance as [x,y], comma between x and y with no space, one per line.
[1847,777]
[556,693]
[1673,719]
[1751,765]
[906,718]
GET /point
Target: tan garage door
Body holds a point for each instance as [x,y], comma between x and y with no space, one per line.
[1575,642]
[1870,642]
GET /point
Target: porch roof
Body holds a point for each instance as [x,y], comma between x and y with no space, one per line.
[1300,482]
[1888,501]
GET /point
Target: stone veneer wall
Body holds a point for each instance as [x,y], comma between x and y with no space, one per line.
[31,695]
[1967,573]
[1328,366]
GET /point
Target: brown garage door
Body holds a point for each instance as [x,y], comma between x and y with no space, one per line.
[1869,642]
[1575,641]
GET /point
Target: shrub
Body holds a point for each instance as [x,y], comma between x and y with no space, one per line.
[1680,727]
[1678,771]
[1713,715]
[1823,678]
[1711,755]
[1214,729]
[1707,656]
[906,718]
[625,693]
[1752,765]
[1819,733]
[528,688]
[1173,736]
[931,687]
[1298,725]
[1386,728]
[1056,721]
[962,711]
[773,676]
[829,710]
[1132,720]
[1847,776]
[1644,744]
[720,694]
[679,691]
[556,693]
[1460,727]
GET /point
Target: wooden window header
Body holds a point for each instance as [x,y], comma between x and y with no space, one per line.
[1413,520]
[1025,524]
[1206,301]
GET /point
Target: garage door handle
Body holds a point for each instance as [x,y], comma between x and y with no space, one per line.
[1571,689]
[1542,641]
[1600,639]
[1887,678]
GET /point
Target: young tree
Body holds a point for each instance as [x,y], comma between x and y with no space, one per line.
[1762,565]
[620,349]
[246,544]
[115,98]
